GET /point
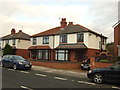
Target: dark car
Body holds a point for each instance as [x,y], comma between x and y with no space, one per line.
[111,73]
[85,65]
[16,62]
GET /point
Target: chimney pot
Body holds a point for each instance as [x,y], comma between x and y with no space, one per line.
[13,31]
[70,23]
[63,23]
[20,30]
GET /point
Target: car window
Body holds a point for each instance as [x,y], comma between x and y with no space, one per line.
[11,57]
[116,66]
[6,57]
[18,58]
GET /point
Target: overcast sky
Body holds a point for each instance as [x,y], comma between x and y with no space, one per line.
[34,16]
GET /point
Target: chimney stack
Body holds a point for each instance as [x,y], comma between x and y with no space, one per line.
[70,23]
[63,23]
[13,31]
[20,30]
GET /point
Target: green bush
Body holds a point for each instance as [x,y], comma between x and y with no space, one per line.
[7,50]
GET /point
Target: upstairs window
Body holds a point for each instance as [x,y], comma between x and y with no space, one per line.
[80,37]
[6,41]
[103,41]
[46,40]
[63,38]
[14,42]
[34,41]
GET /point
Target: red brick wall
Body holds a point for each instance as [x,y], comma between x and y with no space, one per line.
[98,64]
[92,52]
[23,52]
[52,55]
[58,65]
[116,39]
[72,56]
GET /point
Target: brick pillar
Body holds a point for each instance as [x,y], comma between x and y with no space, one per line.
[52,55]
[92,62]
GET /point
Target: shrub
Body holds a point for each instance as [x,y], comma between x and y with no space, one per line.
[7,50]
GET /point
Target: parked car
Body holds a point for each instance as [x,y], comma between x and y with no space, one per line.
[85,65]
[16,62]
[100,75]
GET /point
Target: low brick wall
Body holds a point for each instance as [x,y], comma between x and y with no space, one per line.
[98,64]
[57,65]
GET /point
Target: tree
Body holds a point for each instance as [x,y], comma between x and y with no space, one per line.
[110,48]
[7,50]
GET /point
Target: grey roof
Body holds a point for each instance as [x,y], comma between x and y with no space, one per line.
[19,35]
[76,29]
[72,46]
[71,29]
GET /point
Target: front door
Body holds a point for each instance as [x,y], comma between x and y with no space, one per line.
[80,55]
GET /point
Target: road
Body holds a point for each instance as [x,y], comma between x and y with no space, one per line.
[33,79]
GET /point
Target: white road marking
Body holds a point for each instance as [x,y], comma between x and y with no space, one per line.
[24,72]
[86,82]
[26,88]
[73,80]
[116,87]
[41,75]
[11,69]
[48,71]
[60,78]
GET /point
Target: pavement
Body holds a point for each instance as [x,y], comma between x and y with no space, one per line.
[68,72]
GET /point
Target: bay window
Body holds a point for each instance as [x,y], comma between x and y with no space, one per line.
[61,55]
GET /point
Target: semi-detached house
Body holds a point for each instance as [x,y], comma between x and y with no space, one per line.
[68,42]
[19,41]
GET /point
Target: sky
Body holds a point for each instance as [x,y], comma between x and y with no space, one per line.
[35,16]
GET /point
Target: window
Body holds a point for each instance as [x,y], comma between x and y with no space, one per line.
[116,66]
[34,41]
[6,41]
[61,55]
[63,38]
[14,41]
[45,40]
[80,37]
[43,54]
[103,41]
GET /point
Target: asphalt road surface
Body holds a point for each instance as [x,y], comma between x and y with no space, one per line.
[31,80]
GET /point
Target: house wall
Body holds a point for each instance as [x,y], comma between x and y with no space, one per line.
[56,39]
[23,52]
[39,40]
[22,44]
[72,38]
[51,38]
[92,41]
[116,39]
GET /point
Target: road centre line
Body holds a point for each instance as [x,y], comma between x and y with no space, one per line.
[41,75]
[86,82]
[26,88]
[24,72]
[48,71]
[116,87]
[60,78]
[11,69]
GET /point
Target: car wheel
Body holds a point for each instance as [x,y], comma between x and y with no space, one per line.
[15,67]
[98,78]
